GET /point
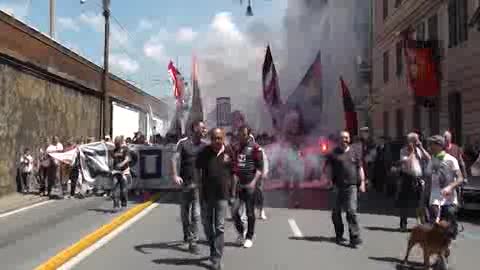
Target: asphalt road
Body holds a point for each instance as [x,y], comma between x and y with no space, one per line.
[31,237]
[153,242]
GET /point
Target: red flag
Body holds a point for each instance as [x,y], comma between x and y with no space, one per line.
[177,81]
[422,75]
[271,89]
[349,109]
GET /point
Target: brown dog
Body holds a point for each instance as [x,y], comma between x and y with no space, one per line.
[434,239]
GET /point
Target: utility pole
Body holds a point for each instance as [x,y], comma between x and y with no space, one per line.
[105,103]
[52,19]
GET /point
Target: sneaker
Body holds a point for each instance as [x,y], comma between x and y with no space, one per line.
[217,265]
[248,243]
[339,240]
[193,248]
[355,242]
[263,216]
[240,240]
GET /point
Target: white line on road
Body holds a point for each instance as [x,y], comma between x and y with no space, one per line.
[295,229]
[102,242]
[24,209]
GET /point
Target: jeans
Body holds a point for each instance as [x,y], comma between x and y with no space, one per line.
[190,213]
[259,198]
[214,212]
[120,189]
[25,176]
[247,196]
[51,178]
[346,199]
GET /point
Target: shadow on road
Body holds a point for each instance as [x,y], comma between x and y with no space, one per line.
[103,210]
[385,229]
[175,245]
[399,263]
[200,262]
[320,239]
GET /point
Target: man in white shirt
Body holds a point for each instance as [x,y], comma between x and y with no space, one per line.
[52,170]
[446,176]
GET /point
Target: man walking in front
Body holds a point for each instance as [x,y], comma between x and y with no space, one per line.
[215,163]
[248,172]
[346,172]
[186,151]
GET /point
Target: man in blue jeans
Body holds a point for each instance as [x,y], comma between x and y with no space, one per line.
[186,152]
[215,164]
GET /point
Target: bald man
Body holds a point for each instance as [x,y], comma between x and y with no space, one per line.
[215,163]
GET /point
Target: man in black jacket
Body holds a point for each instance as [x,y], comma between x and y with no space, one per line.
[215,163]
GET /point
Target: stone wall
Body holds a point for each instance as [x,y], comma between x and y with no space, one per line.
[32,109]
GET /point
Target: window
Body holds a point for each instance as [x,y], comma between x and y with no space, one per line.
[399,119]
[434,118]
[455,116]
[385,67]
[417,116]
[386,124]
[420,31]
[399,52]
[398,3]
[385,9]
[433,27]
[457,22]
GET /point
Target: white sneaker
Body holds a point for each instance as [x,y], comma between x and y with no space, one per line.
[263,216]
[248,243]
[240,240]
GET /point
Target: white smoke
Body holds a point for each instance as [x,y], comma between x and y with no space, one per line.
[230,60]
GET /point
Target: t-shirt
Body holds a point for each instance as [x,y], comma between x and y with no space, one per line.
[442,170]
[26,163]
[345,166]
[216,173]
[248,159]
[188,152]
[53,149]
[119,155]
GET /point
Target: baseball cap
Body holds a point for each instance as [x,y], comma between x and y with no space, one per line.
[437,139]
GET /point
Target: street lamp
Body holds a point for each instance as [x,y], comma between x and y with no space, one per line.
[249,12]
[104,104]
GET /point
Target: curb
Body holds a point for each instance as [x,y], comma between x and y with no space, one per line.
[65,255]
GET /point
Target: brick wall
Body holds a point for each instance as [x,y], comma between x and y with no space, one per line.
[47,90]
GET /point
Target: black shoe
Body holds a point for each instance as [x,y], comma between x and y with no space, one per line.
[193,248]
[339,240]
[124,204]
[355,242]
[216,265]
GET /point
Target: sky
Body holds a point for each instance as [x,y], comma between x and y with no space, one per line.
[147,34]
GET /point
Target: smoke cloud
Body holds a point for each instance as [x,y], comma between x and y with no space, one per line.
[230,60]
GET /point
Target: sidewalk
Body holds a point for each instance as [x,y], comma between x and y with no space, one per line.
[16,201]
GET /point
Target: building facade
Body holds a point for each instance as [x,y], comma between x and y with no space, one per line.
[457,108]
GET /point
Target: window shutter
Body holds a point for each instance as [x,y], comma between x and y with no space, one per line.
[400,123]
[399,54]
[452,23]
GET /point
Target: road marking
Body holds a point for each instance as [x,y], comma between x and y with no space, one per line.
[67,254]
[24,208]
[295,229]
[102,242]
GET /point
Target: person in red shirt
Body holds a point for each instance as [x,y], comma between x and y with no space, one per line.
[248,170]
